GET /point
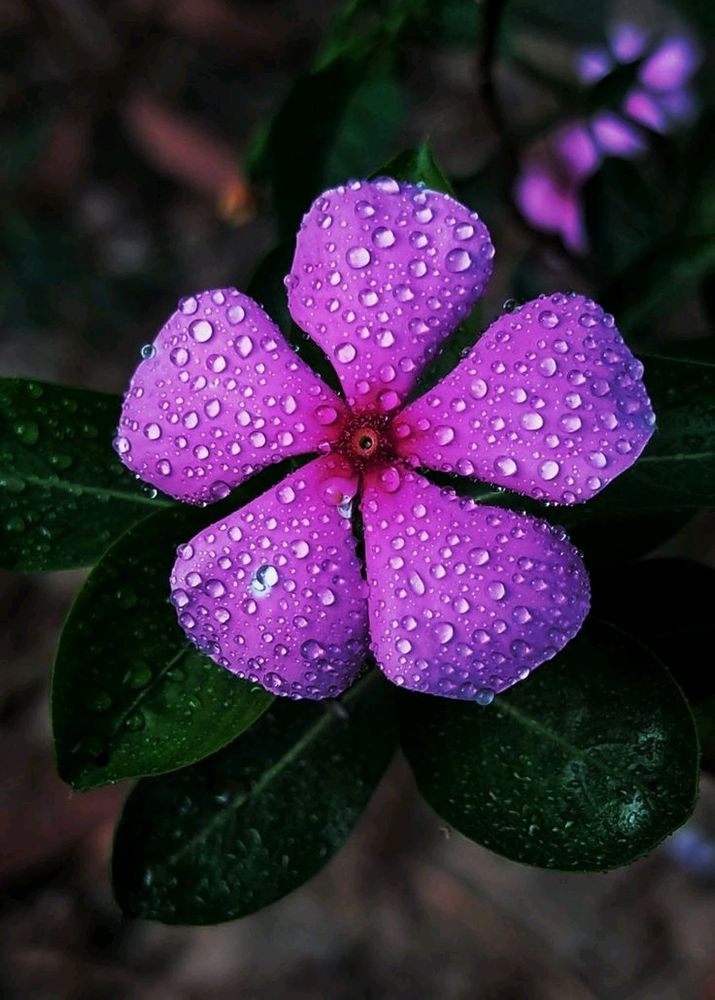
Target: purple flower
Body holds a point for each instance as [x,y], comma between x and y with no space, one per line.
[554,169]
[458,598]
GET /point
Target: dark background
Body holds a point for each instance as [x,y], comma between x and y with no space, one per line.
[127,130]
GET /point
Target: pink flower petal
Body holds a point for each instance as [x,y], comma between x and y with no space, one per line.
[646,109]
[549,207]
[219,395]
[679,105]
[465,600]
[383,271]
[550,402]
[615,137]
[593,64]
[628,41]
[671,66]
[575,151]
[273,592]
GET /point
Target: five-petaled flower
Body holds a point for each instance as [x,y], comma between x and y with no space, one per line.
[458,598]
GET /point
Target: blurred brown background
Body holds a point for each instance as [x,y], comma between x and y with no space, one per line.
[126,128]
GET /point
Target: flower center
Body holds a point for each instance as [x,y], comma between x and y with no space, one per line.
[366,440]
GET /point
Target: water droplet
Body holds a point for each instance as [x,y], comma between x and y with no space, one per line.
[548,319]
[345,353]
[478,388]
[549,470]
[244,345]
[416,582]
[358,257]
[201,330]
[383,237]
[236,314]
[507,466]
[326,415]
[263,581]
[458,260]
[532,421]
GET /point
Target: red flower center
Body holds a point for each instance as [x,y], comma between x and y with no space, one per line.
[366,440]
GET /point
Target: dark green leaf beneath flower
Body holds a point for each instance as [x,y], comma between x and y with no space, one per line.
[64,494]
[243,828]
[130,695]
[585,766]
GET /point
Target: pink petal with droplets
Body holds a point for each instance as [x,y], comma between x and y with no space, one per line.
[465,600]
[550,403]
[273,592]
[219,395]
[383,272]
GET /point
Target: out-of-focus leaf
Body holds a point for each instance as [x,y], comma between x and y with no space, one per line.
[659,278]
[318,137]
[64,494]
[245,827]
[570,19]
[585,766]
[667,604]
[130,695]
[621,216]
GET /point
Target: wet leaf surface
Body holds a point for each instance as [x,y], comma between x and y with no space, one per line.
[130,695]
[585,766]
[243,828]
[64,494]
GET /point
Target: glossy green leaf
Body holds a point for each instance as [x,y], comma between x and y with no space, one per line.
[64,494]
[585,766]
[243,828]
[130,695]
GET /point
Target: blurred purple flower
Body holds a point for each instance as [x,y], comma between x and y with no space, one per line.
[458,598]
[554,169]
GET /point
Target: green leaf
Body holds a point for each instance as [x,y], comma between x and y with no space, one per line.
[621,215]
[417,166]
[585,766]
[64,494]
[130,695]
[245,827]
[677,469]
[659,278]
[318,137]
